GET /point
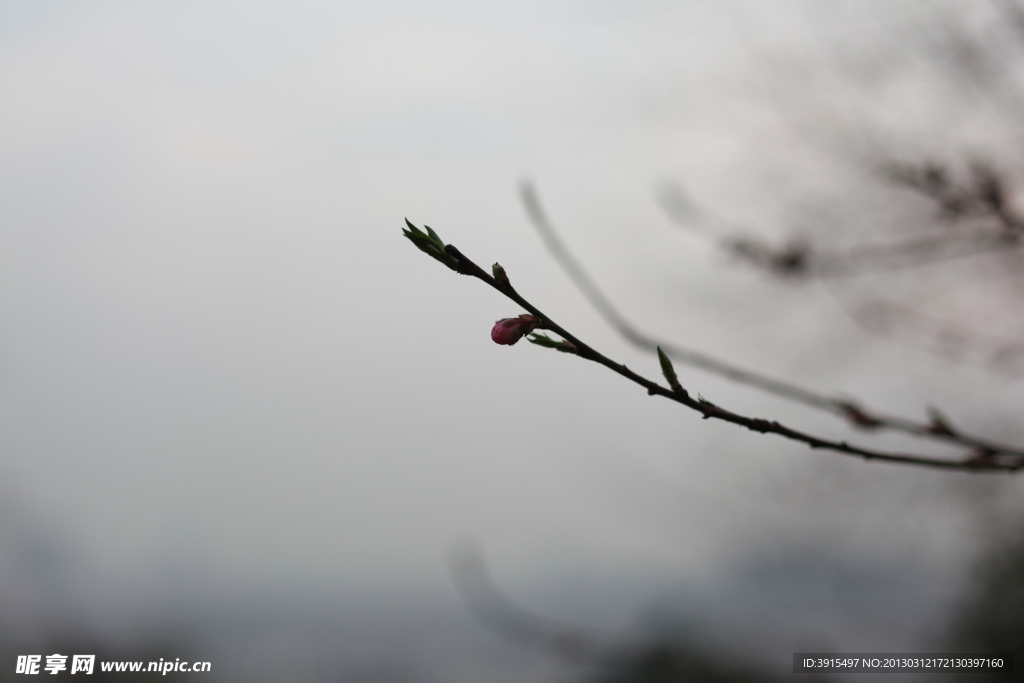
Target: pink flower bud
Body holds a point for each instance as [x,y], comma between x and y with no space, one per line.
[510,330]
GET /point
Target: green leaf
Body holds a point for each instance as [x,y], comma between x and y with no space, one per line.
[669,372]
[940,424]
[430,243]
[548,342]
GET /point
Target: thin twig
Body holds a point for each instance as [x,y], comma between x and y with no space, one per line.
[986,461]
[621,654]
[801,260]
[852,411]
[483,597]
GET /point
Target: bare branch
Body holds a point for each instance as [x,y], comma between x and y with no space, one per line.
[494,608]
[620,654]
[852,411]
[985,197]
[993,460]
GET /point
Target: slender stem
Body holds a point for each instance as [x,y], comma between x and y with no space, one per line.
[802,261]
[850,410]
[711,411]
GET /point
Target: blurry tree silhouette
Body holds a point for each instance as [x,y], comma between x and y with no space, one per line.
[990,617]
[669,662]
[662,657]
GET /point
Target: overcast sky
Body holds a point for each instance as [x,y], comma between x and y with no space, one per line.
[221,360]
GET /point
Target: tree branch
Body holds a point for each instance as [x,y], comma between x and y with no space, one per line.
[483,597]
[987,461]
[800,259]
[852,411]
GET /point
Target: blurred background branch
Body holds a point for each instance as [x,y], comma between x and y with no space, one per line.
[995,227]
[855,413]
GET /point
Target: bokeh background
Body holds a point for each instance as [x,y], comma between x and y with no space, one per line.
[242,420]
